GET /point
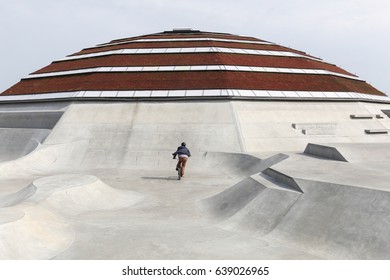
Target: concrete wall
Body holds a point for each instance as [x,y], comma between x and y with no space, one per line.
[16,143]
[289,126]
[129,134]
[146,133]
[22,128]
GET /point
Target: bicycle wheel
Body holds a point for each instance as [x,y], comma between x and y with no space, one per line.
[179,173]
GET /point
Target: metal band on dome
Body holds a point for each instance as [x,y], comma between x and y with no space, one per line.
[206,93]
[188,50]
[186,40]
[192,68]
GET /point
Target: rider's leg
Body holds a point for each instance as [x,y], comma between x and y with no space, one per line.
[178,164]
[183,165]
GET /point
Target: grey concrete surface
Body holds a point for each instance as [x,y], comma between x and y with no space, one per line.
[17,142]
[102,183]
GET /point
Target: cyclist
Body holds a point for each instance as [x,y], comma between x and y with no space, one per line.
[183,154]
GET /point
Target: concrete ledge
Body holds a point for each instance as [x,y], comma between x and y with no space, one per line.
[351,152]
[366,116]
[316,128]
[313,125]
[319,131]
[324,152]
[362,116]
[386,112]
[376,131]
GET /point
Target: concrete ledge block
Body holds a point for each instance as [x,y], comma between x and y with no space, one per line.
[324,152]
[319,131]
[316,128]
[361,116]
[313,125]
[376,131]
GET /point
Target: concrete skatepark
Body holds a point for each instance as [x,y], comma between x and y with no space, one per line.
[99,187]
[296,171]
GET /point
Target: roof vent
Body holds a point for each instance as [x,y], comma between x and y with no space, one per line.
[182,30]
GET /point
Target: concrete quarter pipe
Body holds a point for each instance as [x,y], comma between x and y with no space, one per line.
[290,154]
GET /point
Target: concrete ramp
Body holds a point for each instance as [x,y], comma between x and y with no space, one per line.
[254,204]
[338,222]
[232,200]
[8,215]
[73,194]
[32,232]
[327,220]
[350,152]
[34,224]
[18,197]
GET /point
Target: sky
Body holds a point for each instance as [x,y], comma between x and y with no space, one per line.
[353,34]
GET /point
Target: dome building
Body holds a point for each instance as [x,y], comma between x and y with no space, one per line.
[186,63]
[290,154]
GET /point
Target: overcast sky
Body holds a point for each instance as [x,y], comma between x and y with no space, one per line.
[353,34]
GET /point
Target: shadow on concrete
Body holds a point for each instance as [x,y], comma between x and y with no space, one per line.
[168,178]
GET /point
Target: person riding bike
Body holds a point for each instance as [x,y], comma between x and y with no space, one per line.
[183,154]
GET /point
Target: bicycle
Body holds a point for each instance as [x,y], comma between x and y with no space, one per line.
[183,153]
[179,169]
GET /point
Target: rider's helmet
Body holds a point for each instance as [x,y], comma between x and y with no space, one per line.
[183,144]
